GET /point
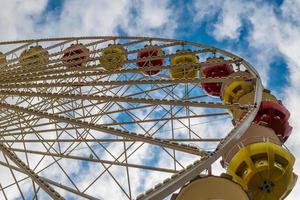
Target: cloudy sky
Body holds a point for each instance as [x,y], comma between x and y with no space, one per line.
[264,32]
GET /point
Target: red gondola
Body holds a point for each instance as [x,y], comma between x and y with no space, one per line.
[275,116]
[149,52]
[75,55]
[219,70]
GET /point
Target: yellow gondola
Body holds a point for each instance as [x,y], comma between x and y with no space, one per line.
[35,56]
[211,187]
[231,78]
[183,68]
[236,90]
[264,168]
[113,57]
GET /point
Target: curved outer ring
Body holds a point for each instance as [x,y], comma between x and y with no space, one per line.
[186,175]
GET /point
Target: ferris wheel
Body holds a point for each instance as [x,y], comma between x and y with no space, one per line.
[138,118]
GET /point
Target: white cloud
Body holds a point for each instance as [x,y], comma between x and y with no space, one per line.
[86,18]
[79,18]
[19,17]
[230,20]
[205,10]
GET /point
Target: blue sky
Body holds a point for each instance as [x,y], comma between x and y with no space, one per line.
[264,32]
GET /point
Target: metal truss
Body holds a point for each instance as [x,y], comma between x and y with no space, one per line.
[89,133]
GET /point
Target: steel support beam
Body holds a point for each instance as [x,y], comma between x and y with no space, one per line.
[35,177]
[109,130]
